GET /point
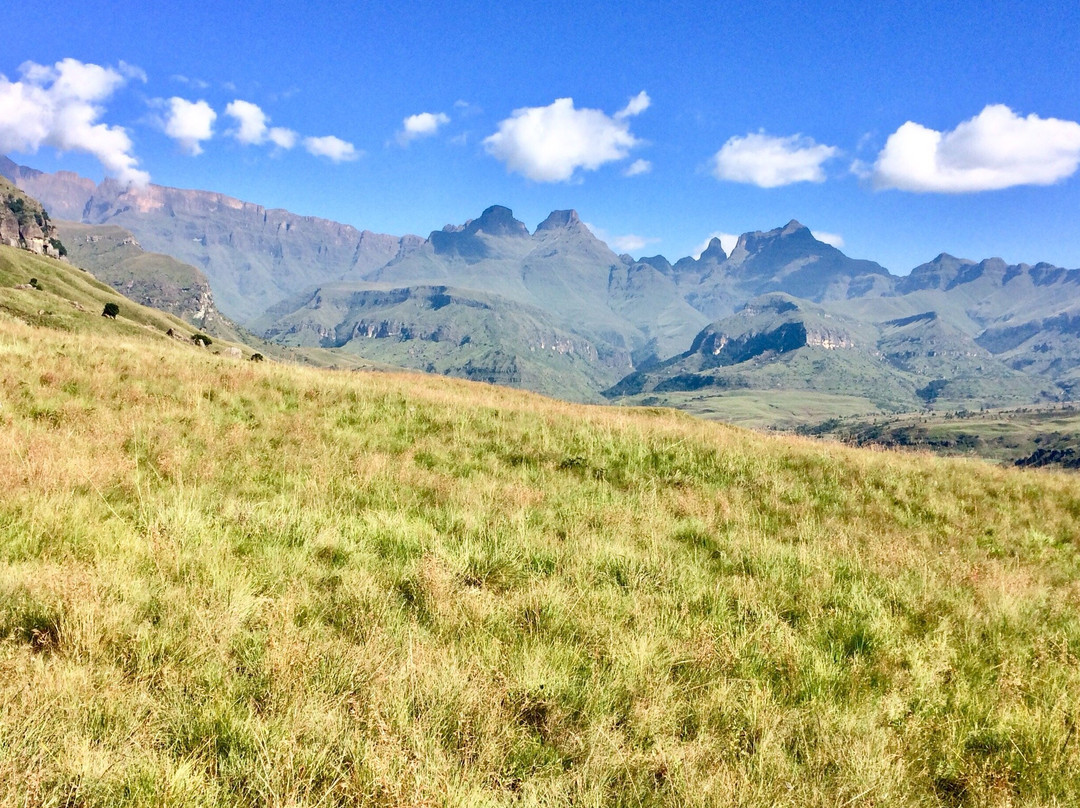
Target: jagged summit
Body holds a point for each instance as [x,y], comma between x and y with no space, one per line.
[561,220]
[714,252]
[497,221]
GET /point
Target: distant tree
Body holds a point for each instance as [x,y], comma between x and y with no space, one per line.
[202,339]
[111,310]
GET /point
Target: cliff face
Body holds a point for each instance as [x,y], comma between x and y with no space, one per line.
[25,224]
[253,256]
[115,256]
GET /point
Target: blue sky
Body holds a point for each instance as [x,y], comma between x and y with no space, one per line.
[904,128]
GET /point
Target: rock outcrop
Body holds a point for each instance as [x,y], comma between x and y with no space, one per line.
[24,224]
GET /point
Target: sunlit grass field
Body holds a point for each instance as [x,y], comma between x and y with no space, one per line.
[235,583]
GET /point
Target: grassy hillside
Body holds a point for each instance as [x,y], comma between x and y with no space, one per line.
[236,583]
[160,281]
[70,299]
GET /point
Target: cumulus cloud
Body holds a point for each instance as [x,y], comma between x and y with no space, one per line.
[638,104]
[252,129]
[332,148]
[995,149]
[189,123]
[630,243]
[61,106]
[768,161]
[251,122]
[281,137]
[548,144]
[638,167]
[832,239]
[423,124]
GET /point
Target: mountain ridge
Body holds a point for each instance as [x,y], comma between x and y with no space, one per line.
[636,313]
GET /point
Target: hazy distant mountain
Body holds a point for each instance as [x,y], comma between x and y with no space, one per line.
[253,256]
[788,259]
[64,194]
[1026,316]
[561,268]
[115,256]
[780,342]
[457,332]
[490,300]
[555,309]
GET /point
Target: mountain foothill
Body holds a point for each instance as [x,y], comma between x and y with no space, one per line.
[555,310]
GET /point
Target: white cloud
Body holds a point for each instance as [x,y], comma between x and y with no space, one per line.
[252,129]
[332,148]
[995,149]
[638,167]
[281,137]
[189,123]
[768,161]
[832,239]
[198,84]
[251,122]
[423,124]
[548,144]
[133,72]
[638,104]
[60,106]
[630,243]
[727,241]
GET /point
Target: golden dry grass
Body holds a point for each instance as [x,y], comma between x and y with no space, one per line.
[227,583]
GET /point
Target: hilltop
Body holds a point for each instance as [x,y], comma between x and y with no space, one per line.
[229,582]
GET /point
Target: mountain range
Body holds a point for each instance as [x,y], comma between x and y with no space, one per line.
[554,309]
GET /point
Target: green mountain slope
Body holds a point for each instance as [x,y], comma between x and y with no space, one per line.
[253,256]
[155,280]
[439,329]
[777,342]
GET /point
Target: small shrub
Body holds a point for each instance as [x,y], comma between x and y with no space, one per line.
[111,310]
[257,357]
[34,283]
[202,339]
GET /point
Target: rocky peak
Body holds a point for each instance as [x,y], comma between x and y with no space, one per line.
[657,262]
[560,220]
[714,252]
[497,221]
[751,243]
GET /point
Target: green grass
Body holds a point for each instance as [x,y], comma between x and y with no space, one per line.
[229,583]
[71,300]
[774,409]
[1002,435]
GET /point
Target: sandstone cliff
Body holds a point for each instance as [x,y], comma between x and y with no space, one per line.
[25,224]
